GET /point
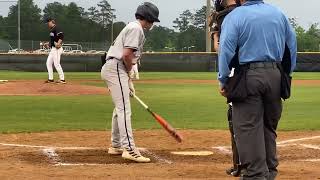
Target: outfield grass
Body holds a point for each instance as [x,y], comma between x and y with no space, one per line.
[15,75]
[189,106]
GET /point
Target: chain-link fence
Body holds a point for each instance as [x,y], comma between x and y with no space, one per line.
[31,46]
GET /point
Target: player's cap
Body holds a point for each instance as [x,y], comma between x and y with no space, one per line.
[48,19]
[148,11]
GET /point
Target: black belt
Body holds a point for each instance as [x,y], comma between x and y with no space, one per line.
[110,57]
[266,65]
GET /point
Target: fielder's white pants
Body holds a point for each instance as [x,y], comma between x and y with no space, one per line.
[117,79]
[54,59]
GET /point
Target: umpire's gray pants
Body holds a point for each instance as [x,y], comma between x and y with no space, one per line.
[116,77]
[255,123]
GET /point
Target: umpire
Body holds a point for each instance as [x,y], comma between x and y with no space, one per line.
[262,33]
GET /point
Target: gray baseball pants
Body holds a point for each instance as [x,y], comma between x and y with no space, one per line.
[116,77]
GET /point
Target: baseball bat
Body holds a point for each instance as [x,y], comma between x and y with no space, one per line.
[172,131]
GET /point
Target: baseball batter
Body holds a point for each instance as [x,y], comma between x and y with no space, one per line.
[56,38]
[122,55]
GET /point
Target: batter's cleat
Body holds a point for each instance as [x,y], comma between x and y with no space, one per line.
[115,151]
[134,155]
[61,82]
[49,81]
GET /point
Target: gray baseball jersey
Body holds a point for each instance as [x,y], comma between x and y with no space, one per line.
[117,80]
[132,37]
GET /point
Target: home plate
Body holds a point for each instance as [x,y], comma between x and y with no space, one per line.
[193,153]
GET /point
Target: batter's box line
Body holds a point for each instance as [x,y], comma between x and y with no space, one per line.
[52,155]
[309,160]
[299,139]
[158,158]
[310,146]
[56,161]
[290,142]
[49,147]
[50,152]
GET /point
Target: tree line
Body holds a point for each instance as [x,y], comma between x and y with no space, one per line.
[95,23]
[79,24]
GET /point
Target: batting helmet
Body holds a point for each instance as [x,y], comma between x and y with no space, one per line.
[148,11]
[48,19]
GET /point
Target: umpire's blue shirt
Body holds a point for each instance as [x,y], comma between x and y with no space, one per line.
[261,32]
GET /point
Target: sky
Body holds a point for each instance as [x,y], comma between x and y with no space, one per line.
[306,12]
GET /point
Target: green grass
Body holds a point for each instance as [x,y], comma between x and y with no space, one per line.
[15,75]
[189,106]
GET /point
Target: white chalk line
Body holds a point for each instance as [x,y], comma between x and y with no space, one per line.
[290,142]
[297,140]
[310,146]
[50,152]
[56,161]
[158,158]
[286,145]
[82,164]
[52,155]
[48,147]
[223,149]
[309,160]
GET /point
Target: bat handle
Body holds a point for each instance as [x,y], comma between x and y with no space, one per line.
[140,101]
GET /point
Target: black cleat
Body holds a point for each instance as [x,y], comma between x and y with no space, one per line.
[61,82]
[49,81]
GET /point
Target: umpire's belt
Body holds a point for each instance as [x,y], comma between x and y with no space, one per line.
[265,65]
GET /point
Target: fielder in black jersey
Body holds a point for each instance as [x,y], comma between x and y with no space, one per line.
[56,38]
[55,35]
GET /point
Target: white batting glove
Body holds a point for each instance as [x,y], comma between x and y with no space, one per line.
[131,75]
[131,87]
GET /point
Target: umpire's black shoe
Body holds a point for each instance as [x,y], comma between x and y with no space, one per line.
[230,171]
[236,172]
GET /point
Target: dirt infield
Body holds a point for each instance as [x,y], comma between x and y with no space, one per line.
[83,155]
[39,88]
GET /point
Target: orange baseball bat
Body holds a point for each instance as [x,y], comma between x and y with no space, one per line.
[172,131]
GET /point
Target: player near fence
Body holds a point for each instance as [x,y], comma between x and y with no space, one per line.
[122,55]
[56,38]
[222,9]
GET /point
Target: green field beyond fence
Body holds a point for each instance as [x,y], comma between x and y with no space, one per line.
[188,106]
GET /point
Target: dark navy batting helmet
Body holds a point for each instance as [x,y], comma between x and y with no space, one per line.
[48,19]
[148,11]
